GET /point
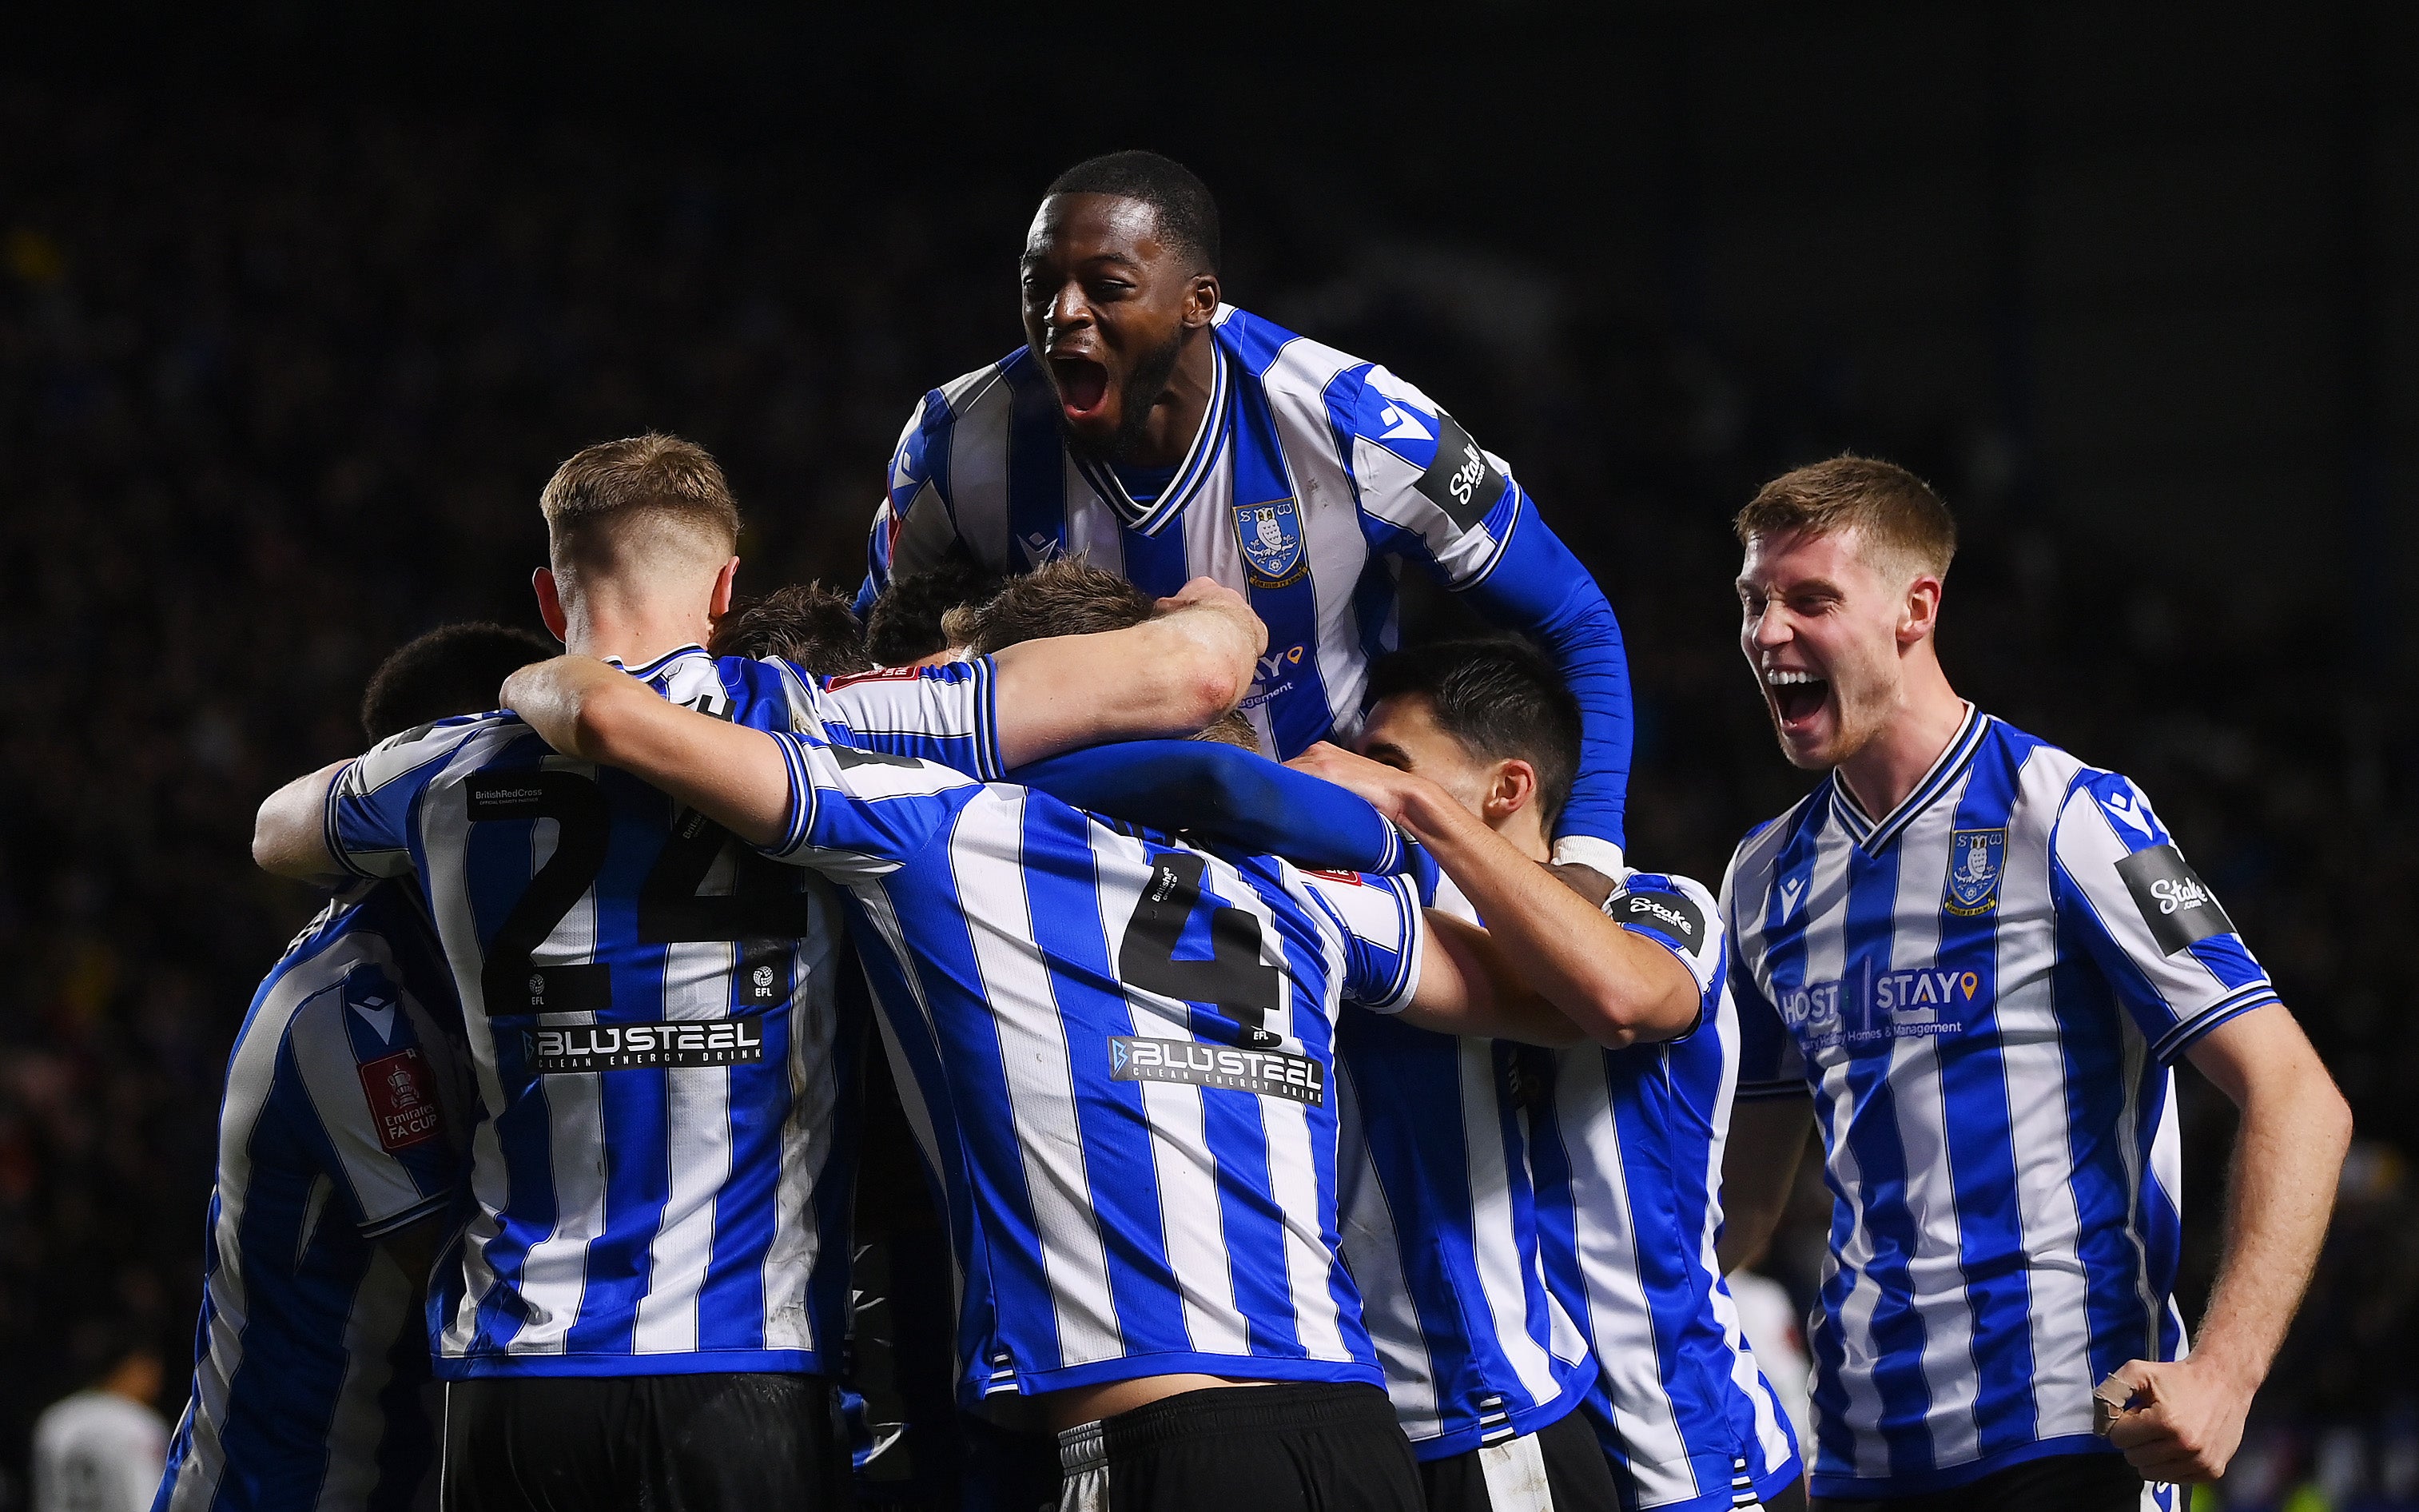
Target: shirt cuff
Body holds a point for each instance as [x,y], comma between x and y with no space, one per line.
[1587,850]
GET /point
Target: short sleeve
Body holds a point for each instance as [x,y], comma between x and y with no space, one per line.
[2158,934]
[370,804]
[1383,934]
[376,1114]
[1426,488]
[1771,1061]
[942,713]
[856,814]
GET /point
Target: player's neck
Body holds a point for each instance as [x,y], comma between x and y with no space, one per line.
[632,633]
[1526,832]
[1886,768]
[1175,417]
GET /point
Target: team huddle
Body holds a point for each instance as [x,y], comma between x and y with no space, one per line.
[1312,1104]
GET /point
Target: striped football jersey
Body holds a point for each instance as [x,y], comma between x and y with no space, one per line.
[1116,1052]
[653,1011]
[1629,1162]
[1440,1223]
[1315,475]
[342,1122]
[1984,990]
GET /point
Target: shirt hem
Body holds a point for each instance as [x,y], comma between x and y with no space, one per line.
[1131,1367]
[1522,1424]
[695,1363]
[1919,1482]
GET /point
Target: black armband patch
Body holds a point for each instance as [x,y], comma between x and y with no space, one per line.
[1668,914]
[1460,480]
[2177,904]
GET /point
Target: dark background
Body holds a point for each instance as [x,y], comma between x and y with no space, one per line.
[298,313]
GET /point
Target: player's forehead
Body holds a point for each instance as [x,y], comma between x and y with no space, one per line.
[1073,228]
[1778,562]
[1405,724]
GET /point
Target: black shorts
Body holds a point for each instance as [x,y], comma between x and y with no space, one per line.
[1578,1477]
[2086,1481]
[1282,1448]
[667,1444]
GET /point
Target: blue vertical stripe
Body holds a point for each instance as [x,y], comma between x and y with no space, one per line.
[1037,465]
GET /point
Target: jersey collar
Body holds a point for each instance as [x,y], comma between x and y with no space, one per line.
[1872,836]
[651,669]
[1208,443]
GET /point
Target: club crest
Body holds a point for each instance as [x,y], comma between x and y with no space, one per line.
[1271,536]
[1974,864]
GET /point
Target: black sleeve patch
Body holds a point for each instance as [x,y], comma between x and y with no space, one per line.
[1668,914]
[2177,904]
[1460,480]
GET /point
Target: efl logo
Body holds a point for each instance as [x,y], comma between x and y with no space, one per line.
[400,1102]
[1262,1072]
[640,1046]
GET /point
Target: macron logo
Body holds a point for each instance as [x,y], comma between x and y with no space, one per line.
[1789,894]
[2126,809]
[378,1014]
[1401,424]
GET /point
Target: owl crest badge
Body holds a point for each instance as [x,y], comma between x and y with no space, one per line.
[1271,536]
[1974,863]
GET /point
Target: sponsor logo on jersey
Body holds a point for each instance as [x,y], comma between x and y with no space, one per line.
[2174,903]
[879,674]
[1461,480]
[1270,679]
[1876,1006]
[583,1047]
[401,1104]
[1271,536]
[1262,1072]
[1974,857]
[1791,890]
[1668,914]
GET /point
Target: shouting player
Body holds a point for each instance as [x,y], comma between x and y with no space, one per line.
[1169,435]
[1473,743]
[1121,1047]
[652,1283]
[1983,956]
[341,1140]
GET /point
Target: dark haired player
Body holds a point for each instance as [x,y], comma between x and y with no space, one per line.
[806,625]
[1172,435]
[341,1138]
[1575,1192]
[904,626]
[1983,957]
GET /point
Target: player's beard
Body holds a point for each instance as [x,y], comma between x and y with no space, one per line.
[1139,396]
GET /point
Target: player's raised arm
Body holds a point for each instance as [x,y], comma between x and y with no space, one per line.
[1437,497]
[289,834]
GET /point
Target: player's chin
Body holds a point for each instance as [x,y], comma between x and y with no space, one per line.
[1810,738]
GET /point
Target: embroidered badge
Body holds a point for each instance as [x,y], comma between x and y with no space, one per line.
[1271,536]
[1975,856]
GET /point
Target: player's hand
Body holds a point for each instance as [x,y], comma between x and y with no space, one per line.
[552,698]
[1389,788]
[2178,1421]
[1207,596]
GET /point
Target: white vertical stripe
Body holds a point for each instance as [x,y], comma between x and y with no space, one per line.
[808,1130]
[1851,1327]
[984,404]
[1620,1321]
[1309,1265]
[1935,1265]
[1494,1245]
[696,1147]
[374,1320]
[985,861]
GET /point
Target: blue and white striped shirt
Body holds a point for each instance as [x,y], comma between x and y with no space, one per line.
[1116,1052]
[1984,989]
[1313,476]
[342,1122]
[660,1178]
[1628,1171]
[1441,1230]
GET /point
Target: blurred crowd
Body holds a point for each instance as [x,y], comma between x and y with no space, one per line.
[278,388]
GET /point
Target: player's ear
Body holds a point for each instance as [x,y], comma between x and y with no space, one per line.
[1511,788]
[1921,616]
[726,584]
[1201,301]
[549,605]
